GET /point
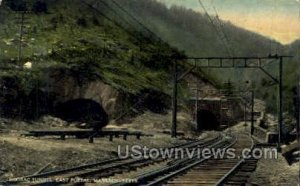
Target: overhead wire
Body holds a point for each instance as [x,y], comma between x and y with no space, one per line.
[239,73]
[133,35]
[127,31]
[116,13]
[227,40]
[219,32]
[215,29]
[119,6]
[298,99]
[271,28]
[137,21]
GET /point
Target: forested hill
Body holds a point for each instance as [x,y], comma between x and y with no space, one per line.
[85,36]
[123,41]
[199,35]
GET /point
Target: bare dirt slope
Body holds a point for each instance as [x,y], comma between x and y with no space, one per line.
[276,172]
[272,172]
[21,155]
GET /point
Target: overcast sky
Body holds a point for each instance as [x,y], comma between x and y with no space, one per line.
[278,19]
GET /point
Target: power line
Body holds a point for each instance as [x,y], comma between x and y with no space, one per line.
[219,33]
[223,31]
[110,19]
[136,20]
[227,42]
[215,28]
[113,11]
[127,31]
[141,35]
[21,37]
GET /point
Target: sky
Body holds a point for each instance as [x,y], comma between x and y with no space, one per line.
[276,19]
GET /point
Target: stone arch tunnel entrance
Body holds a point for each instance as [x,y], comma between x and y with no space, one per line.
[207,120]
[83,111]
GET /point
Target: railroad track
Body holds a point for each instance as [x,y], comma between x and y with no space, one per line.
[204,171]
[101,169]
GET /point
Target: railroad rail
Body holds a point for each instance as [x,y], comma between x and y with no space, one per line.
[90,134]
[104,168]
[204,171]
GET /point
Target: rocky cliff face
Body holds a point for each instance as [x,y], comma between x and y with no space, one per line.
[65,87]
[72,96]
[63,93]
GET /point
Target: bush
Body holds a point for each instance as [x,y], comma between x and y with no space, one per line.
[54,22]
[96,21]
[81,22]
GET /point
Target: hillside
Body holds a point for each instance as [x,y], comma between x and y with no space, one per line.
[128,51]
[197,35]
[89,44]
[86,90]
[62,37]
[194,34]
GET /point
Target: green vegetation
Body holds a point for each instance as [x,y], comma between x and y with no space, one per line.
[193,33]
[69,34]
[16,5]
[108,44]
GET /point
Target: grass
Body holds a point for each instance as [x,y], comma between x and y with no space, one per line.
[55,40]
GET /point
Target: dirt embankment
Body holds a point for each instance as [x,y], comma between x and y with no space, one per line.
[275,172]
[272,171]
[21,155]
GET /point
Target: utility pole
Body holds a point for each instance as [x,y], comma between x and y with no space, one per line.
[298,117]
[174,100]
[22,21]
[280,110]
[234,62]
[252,112]
[245,115]
[21,36]
[197,106]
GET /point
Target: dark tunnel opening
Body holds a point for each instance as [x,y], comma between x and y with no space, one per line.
[206,120]
[83,111]
[154,101]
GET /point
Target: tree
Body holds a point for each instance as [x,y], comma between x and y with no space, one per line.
[15,5]
[40,7]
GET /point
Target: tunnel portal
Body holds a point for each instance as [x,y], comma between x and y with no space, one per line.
[84,111]
[206,120]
